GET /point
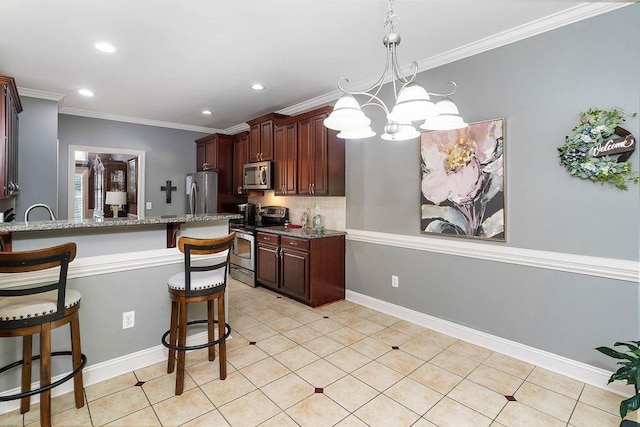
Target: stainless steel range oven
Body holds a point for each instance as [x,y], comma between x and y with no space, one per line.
[243,256]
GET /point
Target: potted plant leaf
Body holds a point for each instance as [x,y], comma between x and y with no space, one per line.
[629,372]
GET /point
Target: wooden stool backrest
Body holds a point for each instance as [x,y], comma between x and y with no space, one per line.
[198,246]
[34,260]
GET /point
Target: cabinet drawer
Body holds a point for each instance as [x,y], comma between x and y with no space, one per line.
[272,239]
[292,242]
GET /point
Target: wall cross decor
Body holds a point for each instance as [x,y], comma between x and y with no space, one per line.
[168,189]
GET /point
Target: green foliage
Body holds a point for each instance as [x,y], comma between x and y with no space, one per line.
[575,155]
[629,372]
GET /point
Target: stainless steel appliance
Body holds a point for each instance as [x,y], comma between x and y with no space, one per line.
[249,212]
[202,192]
[243,256]
[258,176]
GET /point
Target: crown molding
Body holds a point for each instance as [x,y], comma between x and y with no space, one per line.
[530,29]
[136,120]
[569,16]
[236,129]
[41,94]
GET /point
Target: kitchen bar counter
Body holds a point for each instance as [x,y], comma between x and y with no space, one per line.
[172,222]
[69,224]
[304,233]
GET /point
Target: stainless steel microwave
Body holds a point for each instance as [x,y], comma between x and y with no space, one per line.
[258,176]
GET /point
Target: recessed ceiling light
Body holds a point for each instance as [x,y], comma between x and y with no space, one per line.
[257,86]
[105,47]
[207,112]
[85,92]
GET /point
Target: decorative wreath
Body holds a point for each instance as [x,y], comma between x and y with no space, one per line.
[587,152]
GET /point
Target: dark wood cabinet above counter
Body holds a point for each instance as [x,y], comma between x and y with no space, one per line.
[261,137]
[10,107]
[310,159]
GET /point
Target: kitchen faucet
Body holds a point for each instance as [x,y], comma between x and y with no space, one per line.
[39,205]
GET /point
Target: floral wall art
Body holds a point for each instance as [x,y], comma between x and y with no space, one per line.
[462,181]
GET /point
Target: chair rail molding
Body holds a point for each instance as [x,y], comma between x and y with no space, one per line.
[570,263]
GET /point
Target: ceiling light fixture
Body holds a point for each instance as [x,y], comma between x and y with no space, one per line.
[85,92]
[207,112]
[257,86]
[412,101]
[105,47]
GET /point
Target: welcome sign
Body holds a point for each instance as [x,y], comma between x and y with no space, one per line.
[625,144]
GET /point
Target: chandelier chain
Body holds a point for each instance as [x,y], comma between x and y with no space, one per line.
[390,18]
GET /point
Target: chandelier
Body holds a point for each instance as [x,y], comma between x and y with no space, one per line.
[412,102]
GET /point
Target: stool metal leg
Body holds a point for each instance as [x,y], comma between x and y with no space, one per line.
[45,374]
[27,350]
[222,347]
[182,342]
[76,352]
[173,336]
[211,329]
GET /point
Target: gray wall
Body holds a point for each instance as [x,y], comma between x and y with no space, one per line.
[37,156]
[538,86]
[44,142]
[170,154]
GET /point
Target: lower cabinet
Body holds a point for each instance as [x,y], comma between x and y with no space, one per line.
[308,270]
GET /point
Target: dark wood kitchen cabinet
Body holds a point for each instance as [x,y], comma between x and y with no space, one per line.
[10,107]
[261,137]
[321,156]
[286,158]
[240,157]
[208,150]
[267,260]
[215,152]
[308,270]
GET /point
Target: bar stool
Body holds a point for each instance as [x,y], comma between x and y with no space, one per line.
[204,279]
[37,309]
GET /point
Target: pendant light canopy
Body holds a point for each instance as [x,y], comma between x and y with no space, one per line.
[412,104]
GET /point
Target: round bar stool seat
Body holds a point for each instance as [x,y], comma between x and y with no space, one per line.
[37,309]
[203,279]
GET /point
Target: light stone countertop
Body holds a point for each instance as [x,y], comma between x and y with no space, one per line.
[69,224]
[303,233]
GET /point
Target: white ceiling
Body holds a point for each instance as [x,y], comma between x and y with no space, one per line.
[177,58]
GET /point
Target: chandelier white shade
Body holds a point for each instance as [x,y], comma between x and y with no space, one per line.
[361,133]
[447,117]
[399,132]
[412,101]
[347,115]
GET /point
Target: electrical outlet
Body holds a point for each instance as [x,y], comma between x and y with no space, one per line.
[149,205]
[128,319]
[394,281]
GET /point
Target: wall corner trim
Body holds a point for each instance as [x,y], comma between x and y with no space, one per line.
[573,369]
[570,263]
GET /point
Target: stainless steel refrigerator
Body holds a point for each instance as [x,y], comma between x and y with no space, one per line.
[202,192]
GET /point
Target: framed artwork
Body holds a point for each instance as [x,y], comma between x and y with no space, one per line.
[132,179]
[462,181]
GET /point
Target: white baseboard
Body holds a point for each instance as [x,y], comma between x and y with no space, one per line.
[580,371]
[103,371]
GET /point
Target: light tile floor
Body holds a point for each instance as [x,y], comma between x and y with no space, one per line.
[338,365]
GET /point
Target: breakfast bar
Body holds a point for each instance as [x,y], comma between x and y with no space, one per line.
[122,266]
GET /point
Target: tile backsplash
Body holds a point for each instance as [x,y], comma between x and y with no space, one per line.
[332,209]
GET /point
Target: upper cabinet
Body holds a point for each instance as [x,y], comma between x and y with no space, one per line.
[207,152]
[261,137]
[285,138]
[240,157]
[10,107]
[310,159]
[215,152]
